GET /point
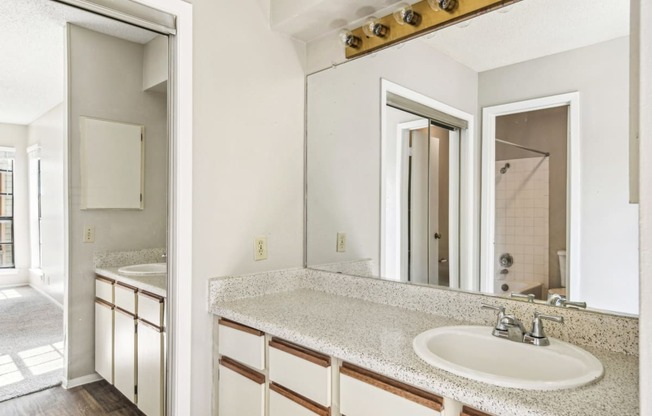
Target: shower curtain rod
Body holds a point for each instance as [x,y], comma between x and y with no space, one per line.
[523,147]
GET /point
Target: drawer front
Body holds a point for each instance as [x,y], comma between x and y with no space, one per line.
[364,393]
[125,298]
[468,411]
[239,394]
[285,404]
[300,370]
[104,289]
[150,308]
[243,344]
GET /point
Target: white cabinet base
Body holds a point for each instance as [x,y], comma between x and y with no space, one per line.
[239,395]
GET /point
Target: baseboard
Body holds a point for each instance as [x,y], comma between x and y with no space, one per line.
[42,292]
[9,286]
[80,381]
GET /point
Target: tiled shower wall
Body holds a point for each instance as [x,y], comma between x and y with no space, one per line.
[522,205]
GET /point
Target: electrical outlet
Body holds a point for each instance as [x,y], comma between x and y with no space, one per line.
[89,234]
[341,243]
[260,248]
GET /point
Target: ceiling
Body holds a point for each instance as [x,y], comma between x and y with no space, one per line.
[32,47]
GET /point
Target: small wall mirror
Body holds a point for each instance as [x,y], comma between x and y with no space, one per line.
[112,164]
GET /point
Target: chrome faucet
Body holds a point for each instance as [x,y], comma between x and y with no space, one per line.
[560,300]
[511,328]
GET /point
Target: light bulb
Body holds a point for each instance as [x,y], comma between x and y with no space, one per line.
[349,39]
[446,5]
[405,14]
[372,27]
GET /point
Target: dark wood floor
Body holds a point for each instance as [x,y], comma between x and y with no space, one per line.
[96,399]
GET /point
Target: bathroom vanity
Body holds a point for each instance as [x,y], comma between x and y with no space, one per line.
[130,336]
[307,342]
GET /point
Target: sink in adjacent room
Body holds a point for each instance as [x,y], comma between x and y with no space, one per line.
[473,352]
[144,269]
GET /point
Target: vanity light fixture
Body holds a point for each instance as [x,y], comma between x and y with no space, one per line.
[405,14]
[349,39]
[411,20]
[372,27]
[446,5]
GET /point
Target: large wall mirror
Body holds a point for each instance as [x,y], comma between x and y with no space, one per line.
[489,156]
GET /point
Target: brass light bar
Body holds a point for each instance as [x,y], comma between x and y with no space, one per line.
[430,21]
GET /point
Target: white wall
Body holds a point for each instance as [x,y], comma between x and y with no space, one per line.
[105,80]
[344,146]
[609,224]
[47,131]
[248,163]
[645,362]
[155,64]
[13,135]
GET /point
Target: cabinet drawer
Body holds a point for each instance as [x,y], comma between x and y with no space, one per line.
[363,393]
[283,402]
[150,308]
[104,289]
[242,343]
[125,297]
[241,390]
[467,411]
[301,370]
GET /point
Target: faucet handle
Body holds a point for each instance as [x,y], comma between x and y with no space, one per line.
[537,325]
[529,297]
[499,318]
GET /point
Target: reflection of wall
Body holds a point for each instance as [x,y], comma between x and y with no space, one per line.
[544,130]
[344,131]
[106,82]
[609,224]
[48,132]
[522,219]
[13,135]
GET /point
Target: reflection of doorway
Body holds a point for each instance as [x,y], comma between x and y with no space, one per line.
[489,188]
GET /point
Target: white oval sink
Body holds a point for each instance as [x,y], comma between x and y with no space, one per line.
[144,269]
[472,352]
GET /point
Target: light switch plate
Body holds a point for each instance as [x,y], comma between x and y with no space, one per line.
[341,242]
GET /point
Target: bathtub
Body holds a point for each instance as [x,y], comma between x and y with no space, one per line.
[507,287]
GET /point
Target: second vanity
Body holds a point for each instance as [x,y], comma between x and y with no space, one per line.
[348,340]
[130,335]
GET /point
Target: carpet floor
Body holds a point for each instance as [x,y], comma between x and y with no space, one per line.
[31,342]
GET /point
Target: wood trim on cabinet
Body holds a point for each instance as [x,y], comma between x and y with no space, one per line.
[242,370]
[301,352]
[300,400]
[122,311]
[104,303]
[424,398]
[467,411]
[150,325]
[241,327]
[151,296]
[126,286]
[104,279]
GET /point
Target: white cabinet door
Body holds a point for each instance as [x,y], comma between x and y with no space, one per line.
[364,393]
[104,340]
[124,375]
[151,375]
[241,390]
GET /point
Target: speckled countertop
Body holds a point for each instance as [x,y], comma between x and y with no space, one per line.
[379,337]
[156,284]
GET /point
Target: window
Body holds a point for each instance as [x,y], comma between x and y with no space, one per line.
[7,254]
[35,216]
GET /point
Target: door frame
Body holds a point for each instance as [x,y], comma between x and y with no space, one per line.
[468,234]
[179,256]
[573,219]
